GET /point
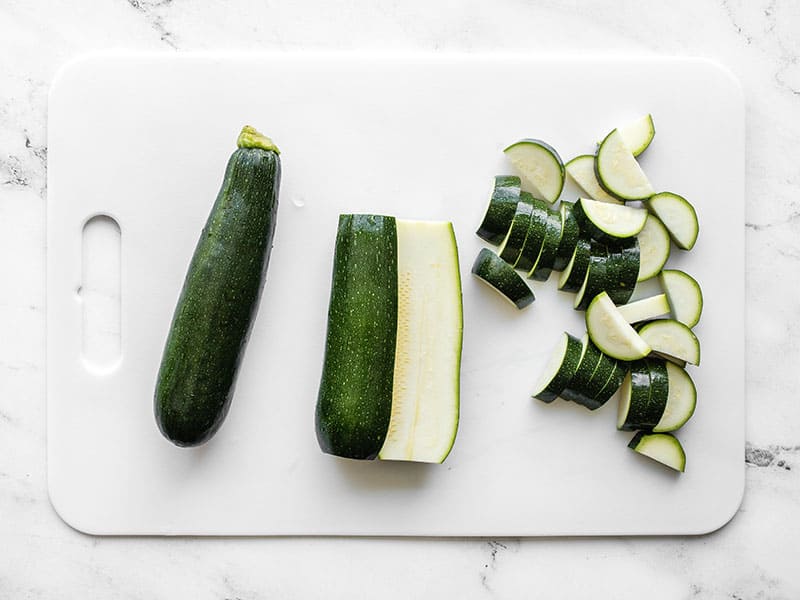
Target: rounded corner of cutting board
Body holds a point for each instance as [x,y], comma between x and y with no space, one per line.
[68,514]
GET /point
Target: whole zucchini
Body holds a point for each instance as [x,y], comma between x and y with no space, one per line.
[220,296]
[355,394]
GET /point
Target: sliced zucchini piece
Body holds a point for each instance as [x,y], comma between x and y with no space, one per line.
[678,216]
[511,246]
[552,237]
[638,134]
[645,309]
[623,269]
[540,167]
[610,332]
[635,410]
[684,295]
[675,361]
[577,386]
[661,447]
[425,389]
[536,233]
[581,169]
[589,395]
[612,385]
[560,369]
[502,206]
[597,276]
[575,272]
[609,222]
[497,273]
[681,401]
[618,172]
[653,247]
[570,232]
[671,339]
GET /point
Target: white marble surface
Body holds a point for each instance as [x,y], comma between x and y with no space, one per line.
[755,556]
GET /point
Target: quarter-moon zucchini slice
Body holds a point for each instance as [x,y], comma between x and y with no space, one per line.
[498,274]
[618,172]
[539,166]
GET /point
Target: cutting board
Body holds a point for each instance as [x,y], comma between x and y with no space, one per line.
[143,140]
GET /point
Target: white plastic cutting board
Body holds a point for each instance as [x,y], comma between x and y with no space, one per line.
[145,140]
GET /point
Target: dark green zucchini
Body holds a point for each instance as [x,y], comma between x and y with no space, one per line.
[355,399]
[220,296]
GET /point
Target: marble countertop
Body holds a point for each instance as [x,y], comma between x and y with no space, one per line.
[754,556]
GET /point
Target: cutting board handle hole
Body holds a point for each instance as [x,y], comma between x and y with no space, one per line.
[100,294]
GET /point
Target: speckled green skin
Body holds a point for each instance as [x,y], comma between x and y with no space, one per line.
[219,300]
[647,396]
[355,393]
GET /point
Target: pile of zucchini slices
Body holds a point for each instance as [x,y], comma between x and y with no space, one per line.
[617,235]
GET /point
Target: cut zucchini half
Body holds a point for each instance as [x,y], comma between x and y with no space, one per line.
[510,248]
[654,247]
[681,400]
[610,332]
[539,166]
[645,309]
[502,206]
[574,274]
[638,134]
[560,369]
[661,447]
[609,222]
[570,232]
[498,274]
[581,169]
[618,172]
[678,216]
[684,295]
[597,276]
[673,340]
[425,390]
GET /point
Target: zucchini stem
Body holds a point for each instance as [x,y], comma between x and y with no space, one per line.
[251,138]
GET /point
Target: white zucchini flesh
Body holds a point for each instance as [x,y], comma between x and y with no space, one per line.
[681,400]
[672,339]
[638,134]
[616,220]
[618,172]
[610,332]
[684,295]
[661,447]
[540,168]
[654,247]
[645,309]
[678,216]
[425,398]
[581,170]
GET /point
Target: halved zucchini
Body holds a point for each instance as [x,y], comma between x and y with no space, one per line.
[540,167]
[425,390]
[610,332]
[653,247]
[684,295]
[661,447]
[581,169]
[678,216]
[618,172]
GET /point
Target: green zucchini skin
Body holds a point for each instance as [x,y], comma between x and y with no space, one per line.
[220,296]
[355,393]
